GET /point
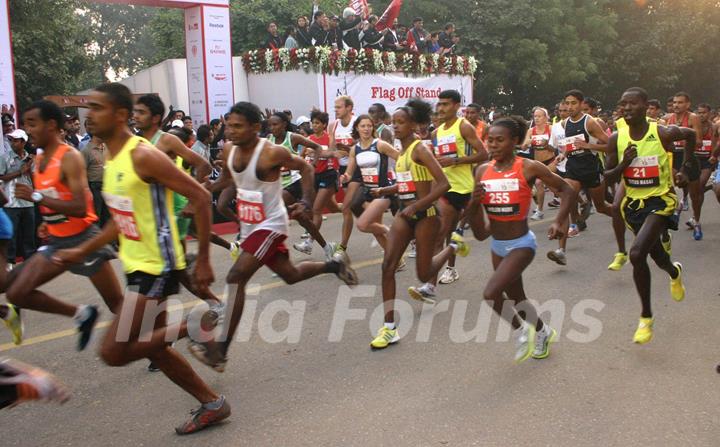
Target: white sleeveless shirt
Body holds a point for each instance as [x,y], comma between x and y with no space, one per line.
[343,135]
[259,204]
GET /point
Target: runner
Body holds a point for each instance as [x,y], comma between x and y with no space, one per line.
[292,188]
[458,149]
[504,188]
[137,185]
[583,136]
[378,113]
[683,117]
[342,142]
[703,153]
[639,153]
[472,114]
[326,175]
[24,383]
[9,313]
[66,206]
[255,166]
[371,158]
[655,111]
[420,183]
[537,140]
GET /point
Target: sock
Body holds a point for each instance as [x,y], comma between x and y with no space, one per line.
[390,326]
[216,404]
[561,250]
[332,267]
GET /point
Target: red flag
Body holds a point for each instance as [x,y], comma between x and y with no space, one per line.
[360,7]
[391,13]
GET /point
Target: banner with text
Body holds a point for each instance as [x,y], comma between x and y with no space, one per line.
[392,91]
[7,78]
[218,61]
[195,65]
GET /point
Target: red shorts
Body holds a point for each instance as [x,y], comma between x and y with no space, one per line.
[265,245]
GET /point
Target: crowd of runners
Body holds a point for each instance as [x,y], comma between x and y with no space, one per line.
[445,174]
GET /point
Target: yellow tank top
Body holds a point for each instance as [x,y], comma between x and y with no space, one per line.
[143,213]
[408,172]
[620,124]
[451,144]
[649,174]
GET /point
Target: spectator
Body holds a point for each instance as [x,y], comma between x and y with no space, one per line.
[86,138]
[215,126]
[16,167]
[448,40]
[290,40]
[8,125]
[433,45]
[335,36]
[274,41]
[303,37]
[391,41]
[202,144]
[94,155]
[350,30]
[188,123]
[417,37]
[319,29]
[72,127]
[176,124]
[372,38]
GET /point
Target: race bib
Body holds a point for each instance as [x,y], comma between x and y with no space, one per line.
[643,172]
[569,145]
[370,176]
[501,196]
[538,140]
[705,149]
[446,146]
[406,185]
[250,207]
[344,139]
[123,214]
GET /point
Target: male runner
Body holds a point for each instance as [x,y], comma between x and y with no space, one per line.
[137,186]
[378,113]
[254,165]
[66,206]
[472,115]
[639,153]
[683,117]
[341,140]
[457,149]
[703,152]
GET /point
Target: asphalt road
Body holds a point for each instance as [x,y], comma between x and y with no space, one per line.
[434,387]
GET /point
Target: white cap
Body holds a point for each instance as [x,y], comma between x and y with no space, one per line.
[18,134]
[177,123]
[348,12]
[302,120]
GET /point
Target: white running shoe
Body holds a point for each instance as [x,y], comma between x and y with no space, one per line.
[537,215]
[305,246]
[411,249]
[543,338]
[424,293]
[449,276]
[558,256]
[524,342]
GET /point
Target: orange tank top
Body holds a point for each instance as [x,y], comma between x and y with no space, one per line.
[48,182]
[507,193]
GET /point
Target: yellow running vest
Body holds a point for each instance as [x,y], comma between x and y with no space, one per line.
[143,213]
[408,172]
[451,144]
[649,174]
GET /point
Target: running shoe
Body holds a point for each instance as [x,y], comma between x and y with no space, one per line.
[235,250]
[463,249]
[208,353]
[524,342]
[573,230]
[340,254]
[537,215]
[13,321]
[677,289]
[449,276]
[691,223]
[385,337]
[619,261]
[558,256]
[554,203]
[346,272]
[411,249]
[585,211]
[204,417]
[697,233]
[306,246]
[305,235]
[667,245]
[329,249]
[85,322]
[543,339]
[644,332]
[581,224]
[32,383]
[424,293]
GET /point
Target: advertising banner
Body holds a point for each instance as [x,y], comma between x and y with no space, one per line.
[195,65]
[218,61]
[7,79]
[392,91]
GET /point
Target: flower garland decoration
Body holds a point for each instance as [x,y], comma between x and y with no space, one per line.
[329,61]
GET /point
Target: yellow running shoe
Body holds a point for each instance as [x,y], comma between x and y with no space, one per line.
[384,338]
[667,245]
[619,260]
[677,289]
[463,249]
[13,321]
[234,250]
[644,332]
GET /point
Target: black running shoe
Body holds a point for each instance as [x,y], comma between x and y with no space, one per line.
[86,324]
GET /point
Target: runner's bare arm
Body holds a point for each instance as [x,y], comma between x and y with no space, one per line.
[440,186]
[691,166]
[468,133]
[281,157]
[350,168]
[613,169]
[75,176]
[299,140]
[568,196]
[202,167]
[528,138]
[597,132]
[696,125]
[387,149]
[716,141]
[475,212]
[225,180]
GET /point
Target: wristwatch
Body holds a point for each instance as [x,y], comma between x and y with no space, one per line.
[36,196]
